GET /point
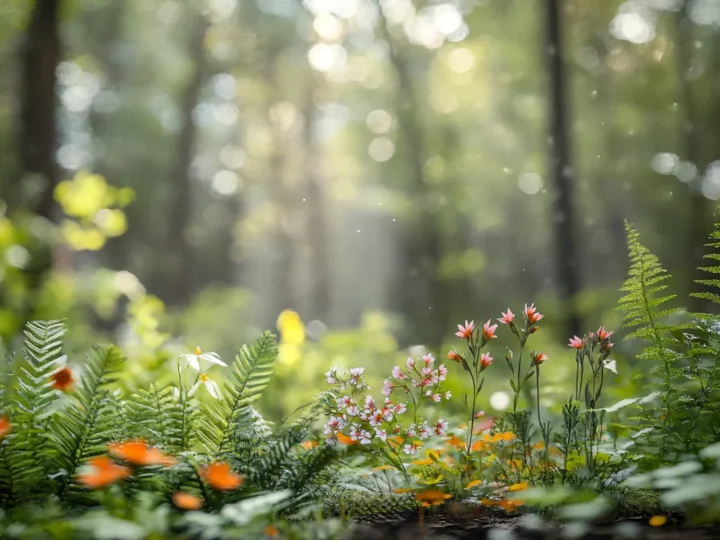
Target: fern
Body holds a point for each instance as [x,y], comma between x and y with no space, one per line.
[83,428]
[27,450]
[712,255]
[251,373]
[155,418]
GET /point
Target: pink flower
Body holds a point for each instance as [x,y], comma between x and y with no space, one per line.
[489,330]
[429,359]
[369,403]
[603,334]
[331,376]
[532,314]
[381,434]
[480,414]
[441,427]
[465,332]
[397,373]
[400,408]
[507,318]
[539,358]
[437,398]
[485,360]
[387,387]
[448,394]
[410,363]
[576,343]
[410,449]
[411,433]
[353,410]
[453,355]
[365,437]
[442,372]
[424,431]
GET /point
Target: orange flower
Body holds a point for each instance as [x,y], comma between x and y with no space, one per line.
[344,439]
[456,442]
[271,531]
[187,501]
[104,471]
[473,483]
[432,496]
[139,453]
[395,441]
[657,521]
[402,490]
[519,487]
[5,427]
[488,502]
[307,445]
[510,505]
[478,446]
[220,477]
[63,379]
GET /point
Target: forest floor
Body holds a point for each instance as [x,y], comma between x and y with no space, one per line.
[411,526]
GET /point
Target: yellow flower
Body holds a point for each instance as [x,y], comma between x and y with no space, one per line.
[519,487]
[473,483]
[657,521]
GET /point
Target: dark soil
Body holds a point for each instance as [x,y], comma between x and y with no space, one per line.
[497,526]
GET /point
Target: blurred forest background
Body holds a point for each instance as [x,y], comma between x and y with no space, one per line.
[385,168]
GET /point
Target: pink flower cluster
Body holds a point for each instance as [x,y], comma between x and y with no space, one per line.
[370,420]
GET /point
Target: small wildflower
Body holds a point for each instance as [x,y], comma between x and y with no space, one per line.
[429,359]
[271,531]
[611,365]
[437,398]
[454,356]
[103,471]
[488,331]
[657,521]
[397,373]
[211,386]
[410,363]
[63,379]
[539,358]
[410,449]
[522,486]
[187,501]
[485,361]
[402,490]
[441,427]
[331,375]
[387,387]
[473,483]
[381,434]
[576,343]
[465,332]
[447,395]
[220,476]
[139,453]
[532,314]
[5,427]
[193,360]
[603,334]
[308,445]
[432,496]
[507,317]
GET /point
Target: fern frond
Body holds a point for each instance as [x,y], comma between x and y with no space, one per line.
[251,373]
[27,449]
[643,305]
[154,417]
[85,426]
[712,255]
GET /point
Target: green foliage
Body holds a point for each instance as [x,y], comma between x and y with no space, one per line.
[713,257]
[251,373]
[27,451]
[85,426]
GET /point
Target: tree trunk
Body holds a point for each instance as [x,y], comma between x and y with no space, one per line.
[319,304]
[181,258]
[561,172]
[38,139]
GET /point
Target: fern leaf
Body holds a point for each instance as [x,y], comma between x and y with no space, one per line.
[27,451]
[251,373]
[85,426]
[713,255]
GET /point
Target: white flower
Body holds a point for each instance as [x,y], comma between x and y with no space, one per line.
[410,449]
[410,363]
[611,365]
[448,394]
[400,408]
[354,432]
[369,402]
[441,427]
[193,360]
[397,373]
[381,434]
[426,371]
[332,375]
[353,410]
[387,387]
[436,398]
[365,437]
[387,414]
[424,431]
[429,359]
[211,386]
[344,402]
[333,424]
[411,431]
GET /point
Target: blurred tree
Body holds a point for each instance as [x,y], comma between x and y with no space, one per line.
[562,172]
